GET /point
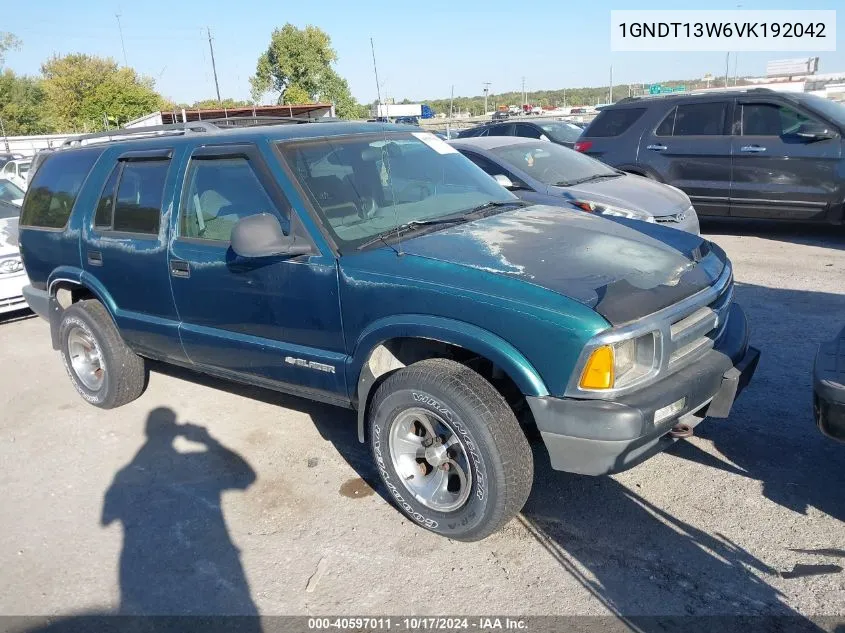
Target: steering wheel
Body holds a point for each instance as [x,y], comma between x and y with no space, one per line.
[423,187]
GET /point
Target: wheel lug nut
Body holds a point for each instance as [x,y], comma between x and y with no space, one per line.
[445,466]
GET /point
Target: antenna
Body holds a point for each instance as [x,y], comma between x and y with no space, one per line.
[122,45]
[384,154]
[214,67]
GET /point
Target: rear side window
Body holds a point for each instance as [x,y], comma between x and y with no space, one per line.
[528,131]
[134,205]
[55,186]
[613,122]
[700,119]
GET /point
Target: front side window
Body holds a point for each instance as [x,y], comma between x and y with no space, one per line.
[218,193]
[363,185]
[770,119]
[553,164]
[527,131]
[700,119]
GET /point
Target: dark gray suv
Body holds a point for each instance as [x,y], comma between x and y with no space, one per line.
[741,153]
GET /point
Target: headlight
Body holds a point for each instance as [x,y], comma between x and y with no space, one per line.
[619,364]
[607,209]
[10,265]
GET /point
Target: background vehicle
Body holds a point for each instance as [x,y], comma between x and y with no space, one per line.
[744,153]
[500,115]
[560,132]
[407,120]
[5,158]
[829,388]
[16,171]
[391,276]
[545,173]
[10,192]
[12,274]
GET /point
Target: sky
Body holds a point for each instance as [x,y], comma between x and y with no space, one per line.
[422,48]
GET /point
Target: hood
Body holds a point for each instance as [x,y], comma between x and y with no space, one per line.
[630,192]
[8,237]
[623,270]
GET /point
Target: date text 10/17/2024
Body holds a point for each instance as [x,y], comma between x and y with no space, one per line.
[418,623]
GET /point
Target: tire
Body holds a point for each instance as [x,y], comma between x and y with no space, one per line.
[102,368]
[478,453]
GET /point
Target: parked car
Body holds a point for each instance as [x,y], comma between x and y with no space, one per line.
[12,274]
[16,171]
[10,192]
[578,111]
[546,173]
[741,153]
[560,132]
[380,270]
[829,388]
[407,120]
[5,158]
[500,115]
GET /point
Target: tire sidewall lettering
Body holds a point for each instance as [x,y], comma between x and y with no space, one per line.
[89,396]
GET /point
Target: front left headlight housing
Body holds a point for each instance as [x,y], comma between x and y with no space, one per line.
[620,364]
[10,265]
[607,209]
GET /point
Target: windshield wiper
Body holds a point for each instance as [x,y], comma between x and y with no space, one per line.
[569,183]
[447,219]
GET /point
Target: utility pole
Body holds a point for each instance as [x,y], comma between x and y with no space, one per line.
[564,97]
[451,99]
[3,131]
[214,68]
[610,93]
[486,90]
[524,99]
[727,67]
[122,45]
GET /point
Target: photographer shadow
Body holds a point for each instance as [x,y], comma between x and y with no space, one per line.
[178,557]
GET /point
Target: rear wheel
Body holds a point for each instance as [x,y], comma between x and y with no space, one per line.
[449,449]
[101,366]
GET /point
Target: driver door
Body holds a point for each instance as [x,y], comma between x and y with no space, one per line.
[274,321]
[776,173]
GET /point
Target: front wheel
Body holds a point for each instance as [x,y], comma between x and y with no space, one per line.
[449,449]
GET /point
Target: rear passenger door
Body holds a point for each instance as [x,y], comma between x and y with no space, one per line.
[124,249]
[271,320]
[776,173]
[691,149]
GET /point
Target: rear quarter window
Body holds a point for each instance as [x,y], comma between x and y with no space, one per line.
[613,122]
[55,186]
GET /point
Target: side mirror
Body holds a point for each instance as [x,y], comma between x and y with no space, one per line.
[503,180]
[261,236]
[812,131]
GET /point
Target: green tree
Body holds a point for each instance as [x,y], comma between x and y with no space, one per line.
[228,102]
[298,66]
[21,105]
[8,42]
[81,89]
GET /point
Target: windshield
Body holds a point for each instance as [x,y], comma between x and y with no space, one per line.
[364,185]
[552,164]
[10,192]
[23,168]
[561,132]
[831,109]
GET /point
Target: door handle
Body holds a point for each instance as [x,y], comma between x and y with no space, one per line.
[752,148]
[656,147]
[95,258]
[180,268]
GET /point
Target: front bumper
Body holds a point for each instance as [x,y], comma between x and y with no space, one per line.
[829,388]
[11,292]
[598,437]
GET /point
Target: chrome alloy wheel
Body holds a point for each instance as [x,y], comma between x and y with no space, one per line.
[430,459]
[86,359]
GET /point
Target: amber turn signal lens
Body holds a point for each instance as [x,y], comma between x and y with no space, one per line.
[598,372]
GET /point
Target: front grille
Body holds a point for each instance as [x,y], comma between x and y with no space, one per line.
[701,330]
[12,302]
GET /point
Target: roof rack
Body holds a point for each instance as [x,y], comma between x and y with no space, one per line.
[140,132]
[250,121]
[705,91]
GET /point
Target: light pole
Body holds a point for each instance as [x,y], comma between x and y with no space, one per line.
[122,45]
[486,90]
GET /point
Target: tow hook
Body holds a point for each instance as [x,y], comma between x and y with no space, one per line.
[681,430]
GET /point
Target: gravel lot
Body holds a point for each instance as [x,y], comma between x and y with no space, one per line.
[275,514]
